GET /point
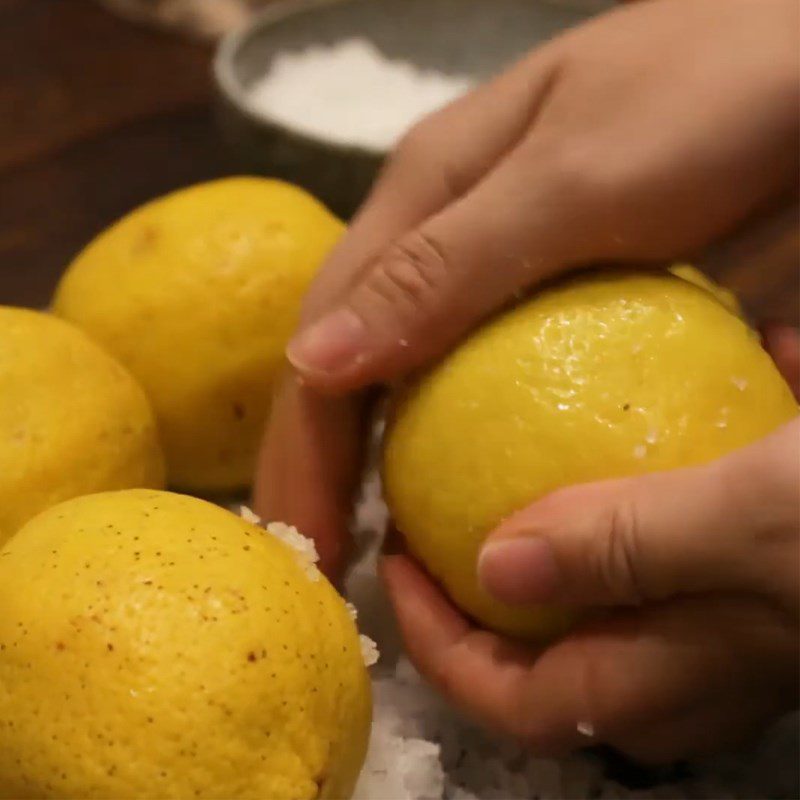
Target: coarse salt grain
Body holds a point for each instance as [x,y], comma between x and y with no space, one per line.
[308,556]
[249,516]
[350,93]
[369,650]
[302,546]
[739,383]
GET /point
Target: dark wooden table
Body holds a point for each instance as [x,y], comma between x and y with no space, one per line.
[98,115]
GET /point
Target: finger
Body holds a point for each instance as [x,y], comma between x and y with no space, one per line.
[437,162]
[690,677]
[782,342]
[708,728]
[728,525]
[486,676]
[308,468]
[660,683]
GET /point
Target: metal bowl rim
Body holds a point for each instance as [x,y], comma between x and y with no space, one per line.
[235,94]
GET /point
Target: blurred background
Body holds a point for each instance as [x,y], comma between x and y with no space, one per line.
[108,103]
[100,114]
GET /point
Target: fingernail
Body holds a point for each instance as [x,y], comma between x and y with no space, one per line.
[330,345]
[519,570]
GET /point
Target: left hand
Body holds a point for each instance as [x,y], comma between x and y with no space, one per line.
[699,568]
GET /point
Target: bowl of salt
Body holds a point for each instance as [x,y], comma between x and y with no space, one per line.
[318,92]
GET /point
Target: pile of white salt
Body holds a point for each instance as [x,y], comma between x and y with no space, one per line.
[350,93]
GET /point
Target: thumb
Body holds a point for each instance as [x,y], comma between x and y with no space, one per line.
[731,525]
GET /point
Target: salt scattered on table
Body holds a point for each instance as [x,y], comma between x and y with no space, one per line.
[350,93]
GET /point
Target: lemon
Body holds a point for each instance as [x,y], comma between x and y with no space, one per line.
[725,296]
[154,645]
[598,377]
[72,420]
[197,294]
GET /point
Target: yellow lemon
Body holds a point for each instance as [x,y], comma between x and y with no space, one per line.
[693,275]
[155,645]
[197,294]
[72,420]
[598,377]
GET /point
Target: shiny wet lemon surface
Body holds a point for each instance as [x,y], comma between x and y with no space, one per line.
[603,376]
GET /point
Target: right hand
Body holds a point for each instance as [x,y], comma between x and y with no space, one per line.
[642,135]
[698,571]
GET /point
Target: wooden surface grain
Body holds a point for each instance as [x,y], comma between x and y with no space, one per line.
[99,115]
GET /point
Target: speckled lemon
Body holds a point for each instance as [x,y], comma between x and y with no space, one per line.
[154,645]
[599,377]
[197,294]
[72,420]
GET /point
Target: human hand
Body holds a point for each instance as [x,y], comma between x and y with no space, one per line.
[643,135]
[699,571]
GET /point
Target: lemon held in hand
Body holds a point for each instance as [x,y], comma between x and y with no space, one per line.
[155,645]
[72,420]
[197,294]
[725,296]
[599,377]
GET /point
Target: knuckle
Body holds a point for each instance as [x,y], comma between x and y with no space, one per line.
[410,273]
[616,553]
[605,540]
